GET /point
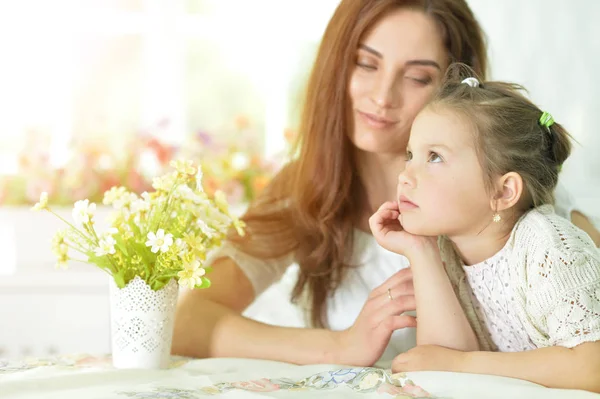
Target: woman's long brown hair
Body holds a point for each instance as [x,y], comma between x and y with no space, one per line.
[309,209]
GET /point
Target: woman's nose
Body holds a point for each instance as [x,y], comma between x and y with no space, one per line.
[386,93]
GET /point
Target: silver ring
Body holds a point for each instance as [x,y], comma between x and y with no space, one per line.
[390,294]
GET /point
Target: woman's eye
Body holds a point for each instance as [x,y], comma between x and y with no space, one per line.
[434,157]
[421,81]
[367,66]
[408,156]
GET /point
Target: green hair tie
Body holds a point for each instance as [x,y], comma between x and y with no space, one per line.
[546,120]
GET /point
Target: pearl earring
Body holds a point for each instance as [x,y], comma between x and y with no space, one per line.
[497,218]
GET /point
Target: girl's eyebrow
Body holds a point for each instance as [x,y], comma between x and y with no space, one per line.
[442,146]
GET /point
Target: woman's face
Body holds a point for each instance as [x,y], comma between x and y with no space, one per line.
[400,62]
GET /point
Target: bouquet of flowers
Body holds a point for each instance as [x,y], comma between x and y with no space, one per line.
[158,236]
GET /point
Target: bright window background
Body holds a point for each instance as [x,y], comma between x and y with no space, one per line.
[104,70]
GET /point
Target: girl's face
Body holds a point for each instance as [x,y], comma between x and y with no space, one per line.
[399,64]
[442,189]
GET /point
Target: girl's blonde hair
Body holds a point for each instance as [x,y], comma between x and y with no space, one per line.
[509,134]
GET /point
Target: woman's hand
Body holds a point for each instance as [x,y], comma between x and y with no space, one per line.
[387,230]
[364,342]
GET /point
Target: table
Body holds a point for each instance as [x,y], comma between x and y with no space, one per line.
[93,377]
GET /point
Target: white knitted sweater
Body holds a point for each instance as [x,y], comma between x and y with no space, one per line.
[542,289]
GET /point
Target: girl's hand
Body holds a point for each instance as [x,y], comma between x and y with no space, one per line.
[387,230]
[364,342]
[429,358]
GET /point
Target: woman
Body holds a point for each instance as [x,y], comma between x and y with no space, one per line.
[379,63]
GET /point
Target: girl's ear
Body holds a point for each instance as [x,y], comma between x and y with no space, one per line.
[509,189]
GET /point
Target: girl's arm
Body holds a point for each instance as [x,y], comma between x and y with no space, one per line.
[554,367]
[441,319]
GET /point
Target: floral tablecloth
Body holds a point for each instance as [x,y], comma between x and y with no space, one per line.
[93,377]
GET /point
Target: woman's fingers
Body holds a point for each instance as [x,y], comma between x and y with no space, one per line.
[398,278]
[393,307]
[402,321]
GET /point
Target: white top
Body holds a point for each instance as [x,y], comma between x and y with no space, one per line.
[376,266]
[542,289]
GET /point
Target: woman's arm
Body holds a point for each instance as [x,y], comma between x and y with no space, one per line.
[581,221]
[554,367]
[208,323]
[441,319]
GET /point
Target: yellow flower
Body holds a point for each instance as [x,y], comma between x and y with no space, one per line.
[164,183]
[221,201]
[239,226]
[62,258]
[184,167]
[191,275]
[43,204]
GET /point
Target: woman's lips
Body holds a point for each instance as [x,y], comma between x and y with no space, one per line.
[375,121]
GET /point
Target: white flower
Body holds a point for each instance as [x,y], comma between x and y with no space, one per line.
[43,204]
[106,246]
[140,206]
[124,201]
[111,231]
[83,212]
[181,247]
[184,167]
[206,229]
[199,176]
[164,183]
[113,195]
[191,275]
[159,241]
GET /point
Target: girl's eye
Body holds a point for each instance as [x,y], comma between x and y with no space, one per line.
[409,156]
[434,157]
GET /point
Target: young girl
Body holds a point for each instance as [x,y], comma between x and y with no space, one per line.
[506,273]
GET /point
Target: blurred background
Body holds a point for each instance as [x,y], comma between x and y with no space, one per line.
[99,93]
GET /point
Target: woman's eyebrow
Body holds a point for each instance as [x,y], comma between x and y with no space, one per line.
[423,62]
[371,50]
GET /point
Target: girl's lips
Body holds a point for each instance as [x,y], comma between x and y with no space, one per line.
[404,204]
[376,121]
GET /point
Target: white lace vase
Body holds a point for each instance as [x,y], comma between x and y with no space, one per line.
[142,324]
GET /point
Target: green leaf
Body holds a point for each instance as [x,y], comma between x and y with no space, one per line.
[158,284]
[205,283]
[122,247]
[118,277]
[208,269]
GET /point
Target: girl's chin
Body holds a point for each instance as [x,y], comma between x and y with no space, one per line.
[419,228]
